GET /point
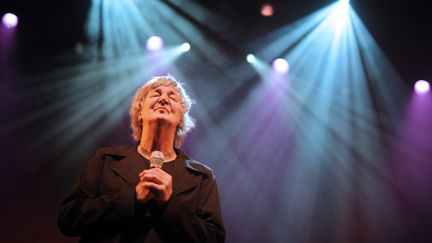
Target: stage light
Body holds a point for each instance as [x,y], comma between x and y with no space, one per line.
[341,10]
[185,47]
[280,65]
[422,87]
[250,58]
[267,10]
[10,20]
[154,43]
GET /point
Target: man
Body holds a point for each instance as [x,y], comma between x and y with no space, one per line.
[118,197]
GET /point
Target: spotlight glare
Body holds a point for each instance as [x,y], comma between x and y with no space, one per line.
[342,10]
[154,43]
[267,10]
[250,58]
[185,47]
[422,87]
[10,20]
[280,65]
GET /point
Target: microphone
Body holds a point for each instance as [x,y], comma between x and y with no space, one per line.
[156,159]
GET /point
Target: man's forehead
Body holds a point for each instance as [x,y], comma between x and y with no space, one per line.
[165,85]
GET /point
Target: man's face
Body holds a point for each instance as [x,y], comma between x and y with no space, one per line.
[162,103]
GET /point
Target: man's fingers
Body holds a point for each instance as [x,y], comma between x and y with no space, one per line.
[152,178]
[158,182]
[155,187]
[155,177]
[155,171]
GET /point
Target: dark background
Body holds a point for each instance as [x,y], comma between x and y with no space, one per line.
[402,29]
[33,185]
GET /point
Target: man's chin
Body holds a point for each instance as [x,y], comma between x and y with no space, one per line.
[159,119]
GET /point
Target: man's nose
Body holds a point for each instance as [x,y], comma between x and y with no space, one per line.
[163,99]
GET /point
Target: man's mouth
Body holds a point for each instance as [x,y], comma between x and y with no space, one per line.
[161,107]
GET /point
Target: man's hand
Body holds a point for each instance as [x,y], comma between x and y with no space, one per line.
[142,193]
[158,182]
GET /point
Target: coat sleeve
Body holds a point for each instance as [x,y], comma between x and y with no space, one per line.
[181,223]
[85,209]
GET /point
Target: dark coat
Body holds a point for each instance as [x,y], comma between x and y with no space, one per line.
[102,206]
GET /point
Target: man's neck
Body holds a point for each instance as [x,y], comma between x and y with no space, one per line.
[158,137]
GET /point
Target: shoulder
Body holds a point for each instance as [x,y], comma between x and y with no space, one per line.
[116,150]
[196,166]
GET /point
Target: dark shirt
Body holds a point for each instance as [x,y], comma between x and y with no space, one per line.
[168,167]
[102,206]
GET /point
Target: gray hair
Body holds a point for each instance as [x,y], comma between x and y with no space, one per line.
[186,122]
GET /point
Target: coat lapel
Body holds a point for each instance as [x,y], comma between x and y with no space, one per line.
[130,166]
[183,179]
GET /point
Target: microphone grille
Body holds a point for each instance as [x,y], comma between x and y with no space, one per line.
[156,159]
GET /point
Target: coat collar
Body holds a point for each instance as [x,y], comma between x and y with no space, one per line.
[129,163]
